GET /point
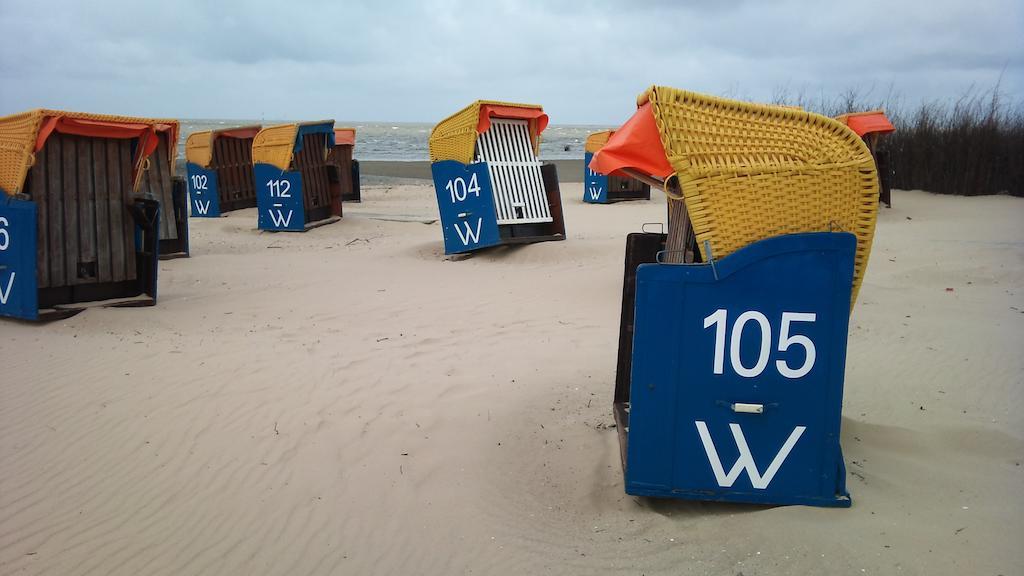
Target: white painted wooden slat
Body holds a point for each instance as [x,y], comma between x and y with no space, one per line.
[515,172]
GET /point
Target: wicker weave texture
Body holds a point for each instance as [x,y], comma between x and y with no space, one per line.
[454,138]
[17,140]
[18,133]
[274,145]
[199,148]
[597,140]
[751,171]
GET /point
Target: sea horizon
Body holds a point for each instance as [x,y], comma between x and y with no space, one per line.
[407,141]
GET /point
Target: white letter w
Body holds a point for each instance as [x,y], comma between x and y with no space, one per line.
[745,460]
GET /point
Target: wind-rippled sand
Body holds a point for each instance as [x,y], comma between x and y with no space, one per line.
[345,401]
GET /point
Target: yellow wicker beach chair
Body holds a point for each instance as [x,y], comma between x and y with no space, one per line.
[491,186]
[746,172]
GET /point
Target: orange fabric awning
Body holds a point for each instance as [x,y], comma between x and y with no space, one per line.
[489,110]
[146,133]
[636,145]
[344,136]
[868,122]
[246,132]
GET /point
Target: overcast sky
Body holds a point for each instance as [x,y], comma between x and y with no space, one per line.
[585,61]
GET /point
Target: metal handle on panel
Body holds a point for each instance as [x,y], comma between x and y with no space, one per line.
[748,408]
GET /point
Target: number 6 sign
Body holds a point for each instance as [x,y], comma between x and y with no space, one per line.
[737,374]
[19,293]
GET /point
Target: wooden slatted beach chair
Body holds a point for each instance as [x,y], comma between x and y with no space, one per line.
[491,187]
[347,174]
[603,189]
[295,190]
[219,170]
[785,202]
[76,223]
[870,126]
[158,181]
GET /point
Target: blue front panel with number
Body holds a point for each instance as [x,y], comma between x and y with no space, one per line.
[19,289]
[466,204]
[595,185]
[737,374]
[202,191]
[279,199]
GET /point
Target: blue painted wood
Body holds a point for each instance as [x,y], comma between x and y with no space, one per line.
[595,185]
[19,288]
[465,201]
[203,191]
[681,410]
[279,199]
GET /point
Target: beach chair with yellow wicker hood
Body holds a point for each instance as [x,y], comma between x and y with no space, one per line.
[491,187]
[734,323]
[296,183]
[603,189]
[219,167]
[81,207]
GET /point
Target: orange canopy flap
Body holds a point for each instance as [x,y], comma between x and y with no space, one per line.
[243,133]
[519,112]
[344,136]
[146,133]
[868,122]
[636,145]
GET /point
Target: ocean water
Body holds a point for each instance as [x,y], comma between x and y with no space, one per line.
[403,141]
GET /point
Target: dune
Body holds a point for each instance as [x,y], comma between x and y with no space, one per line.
[347,401]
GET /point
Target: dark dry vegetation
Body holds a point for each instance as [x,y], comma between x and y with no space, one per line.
[970,146]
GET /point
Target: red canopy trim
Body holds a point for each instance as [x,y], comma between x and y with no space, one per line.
[247,132]
[868,122]
[636,145]
[344,136]
[146,133]
[517,112]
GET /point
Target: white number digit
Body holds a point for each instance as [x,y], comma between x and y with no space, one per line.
[458,190]
[198,182]
[280,188]
[718,321]
[5,236]
[799,339]
[737,335]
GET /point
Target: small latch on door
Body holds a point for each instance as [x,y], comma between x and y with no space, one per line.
[748,408]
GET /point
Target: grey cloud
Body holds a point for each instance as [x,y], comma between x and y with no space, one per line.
[419,61]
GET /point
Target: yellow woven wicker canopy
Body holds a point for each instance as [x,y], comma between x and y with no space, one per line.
[275,144]
[454,138]
[20,134]
[199,145]
[596,140]
[751,171]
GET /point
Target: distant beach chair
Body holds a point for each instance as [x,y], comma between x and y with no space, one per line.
[219,170]
[295,190]
[80,217]
[771,217]
[491,187]
[603,189]
[869,126]
[347,174]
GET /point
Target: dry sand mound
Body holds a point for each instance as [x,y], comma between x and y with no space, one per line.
[345,401]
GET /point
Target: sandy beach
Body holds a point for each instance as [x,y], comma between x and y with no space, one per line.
[347,401]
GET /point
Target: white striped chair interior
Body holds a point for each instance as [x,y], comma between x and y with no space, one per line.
[515,172]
